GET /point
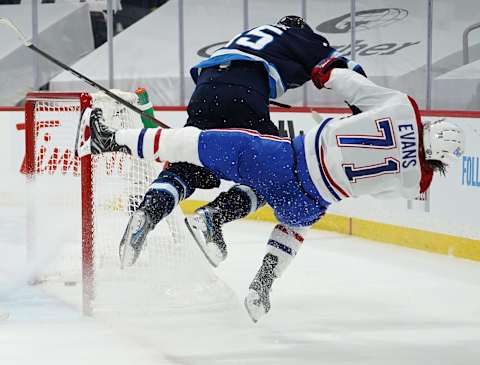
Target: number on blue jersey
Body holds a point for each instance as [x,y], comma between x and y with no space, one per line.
[256,38]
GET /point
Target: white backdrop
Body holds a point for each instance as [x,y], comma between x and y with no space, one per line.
[391,45]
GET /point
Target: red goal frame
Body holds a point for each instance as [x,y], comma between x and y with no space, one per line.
[84,100]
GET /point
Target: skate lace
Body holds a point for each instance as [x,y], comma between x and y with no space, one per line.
[207,224]
[142,228]
[213,232]
[263,281]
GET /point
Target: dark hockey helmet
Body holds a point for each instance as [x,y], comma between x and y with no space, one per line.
[293,21]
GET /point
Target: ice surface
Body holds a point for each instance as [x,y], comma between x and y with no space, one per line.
[342,301]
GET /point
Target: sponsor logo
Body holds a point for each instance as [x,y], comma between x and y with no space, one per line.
[364,20]
[208,50]
[458,152]
[49,158]
[52,156]
[470,175]
[362,48]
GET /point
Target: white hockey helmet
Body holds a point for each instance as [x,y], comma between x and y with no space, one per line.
[443,141]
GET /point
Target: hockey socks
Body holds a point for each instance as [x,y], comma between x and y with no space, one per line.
[163,196]
[284,243]
[234,204]
[282,247]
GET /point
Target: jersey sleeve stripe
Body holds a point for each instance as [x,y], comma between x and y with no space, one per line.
[140,143]
[156,142]
[325,175]
[225,55]
[328,176]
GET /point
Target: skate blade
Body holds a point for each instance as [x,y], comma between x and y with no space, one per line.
[201,243]
[250,314]
[128,255]
[254,311]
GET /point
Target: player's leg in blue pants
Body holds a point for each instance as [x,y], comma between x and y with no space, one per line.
[270,165]
[265,163]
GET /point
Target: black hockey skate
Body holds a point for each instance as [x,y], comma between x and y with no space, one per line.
[207,232]
[102,136]
[257,301]
[133,240]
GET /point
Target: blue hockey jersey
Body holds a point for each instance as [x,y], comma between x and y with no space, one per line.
[288,54]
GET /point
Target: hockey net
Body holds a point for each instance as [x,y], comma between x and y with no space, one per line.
[77,211]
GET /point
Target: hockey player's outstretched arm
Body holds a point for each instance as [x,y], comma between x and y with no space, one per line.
[357,90]
[353,87]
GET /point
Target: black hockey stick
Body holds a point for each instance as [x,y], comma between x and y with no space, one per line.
[92,83]
[281,105]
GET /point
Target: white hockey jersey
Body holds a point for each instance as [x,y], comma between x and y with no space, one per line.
[378,152]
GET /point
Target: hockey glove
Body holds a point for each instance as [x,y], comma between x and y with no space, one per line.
[321,73]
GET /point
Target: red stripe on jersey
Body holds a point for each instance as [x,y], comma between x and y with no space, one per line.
[327,174]
[156,143]
[427,173]
[252,132]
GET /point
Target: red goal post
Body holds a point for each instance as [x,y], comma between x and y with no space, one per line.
[77,102]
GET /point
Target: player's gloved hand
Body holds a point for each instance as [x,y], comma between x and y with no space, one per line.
[321,72]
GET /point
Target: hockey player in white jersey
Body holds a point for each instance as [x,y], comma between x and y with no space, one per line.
[384,151]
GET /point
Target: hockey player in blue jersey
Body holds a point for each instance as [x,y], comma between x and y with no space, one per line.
[384,151]
[233,88]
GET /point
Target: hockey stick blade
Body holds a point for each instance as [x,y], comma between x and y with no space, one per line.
[200,244]
[82,77]
[281,105]
[18,32]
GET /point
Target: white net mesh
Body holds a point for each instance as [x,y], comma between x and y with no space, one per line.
[169,273]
